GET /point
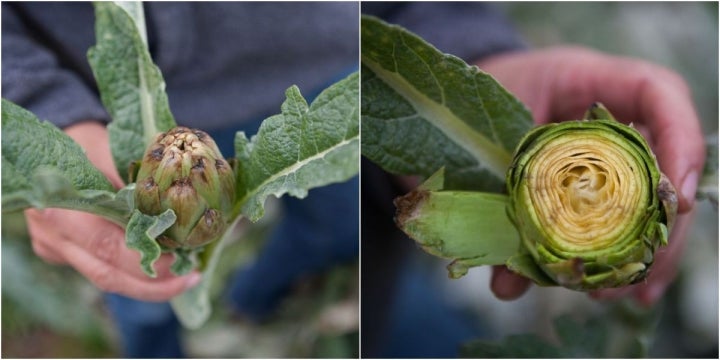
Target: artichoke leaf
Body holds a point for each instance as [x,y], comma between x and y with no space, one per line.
[303,147]
[131,85]
[412,94]
[184,261]
[54,154]
[141,232]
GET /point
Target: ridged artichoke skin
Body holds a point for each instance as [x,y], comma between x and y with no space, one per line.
[183,170]
[624,257]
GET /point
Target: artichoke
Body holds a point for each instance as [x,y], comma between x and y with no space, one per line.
[183,170]
[589,203]
[586,197]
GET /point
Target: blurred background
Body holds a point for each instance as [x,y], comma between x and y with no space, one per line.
[680,35]
[432,316]
[52,312]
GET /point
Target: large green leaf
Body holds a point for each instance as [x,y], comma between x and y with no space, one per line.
[301,148]
[422,110]
[43,167]
[28,144]
[131,86]
[36,293]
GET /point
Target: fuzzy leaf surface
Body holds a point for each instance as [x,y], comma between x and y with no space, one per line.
[43,167]
[301,148]
[422,110]
[131,85]
[140,235]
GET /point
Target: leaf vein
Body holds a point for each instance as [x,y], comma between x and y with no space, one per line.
[292,169]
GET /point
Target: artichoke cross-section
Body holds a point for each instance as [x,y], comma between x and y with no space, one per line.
[589,202]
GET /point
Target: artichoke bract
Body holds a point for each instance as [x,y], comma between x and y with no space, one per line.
[183,170]
[589,203]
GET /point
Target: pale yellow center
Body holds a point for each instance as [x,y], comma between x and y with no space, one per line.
[585,191]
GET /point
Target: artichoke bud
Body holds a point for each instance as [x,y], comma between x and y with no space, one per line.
[210,226]
[148,196]
[589,202]
[227,183]
[183,170]
[182,197]
[205,178]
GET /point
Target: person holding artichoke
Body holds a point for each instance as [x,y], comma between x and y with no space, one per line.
[556,84]
[226,66]
[655,99]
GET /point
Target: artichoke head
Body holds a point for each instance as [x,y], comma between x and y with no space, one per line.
[183,170]
[589,202]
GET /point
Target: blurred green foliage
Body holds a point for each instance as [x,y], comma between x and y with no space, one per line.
[623,330]
[45,308]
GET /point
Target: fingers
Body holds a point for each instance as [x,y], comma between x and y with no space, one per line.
[112,279]
[106,242]
[40,235]
[680,147]
[662,273]
[96,249]
[507,285]
[53,229]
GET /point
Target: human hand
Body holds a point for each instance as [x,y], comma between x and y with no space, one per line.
[560,84]
[96,247]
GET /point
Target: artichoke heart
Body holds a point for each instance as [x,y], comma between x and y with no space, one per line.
[183,170]
[589,202]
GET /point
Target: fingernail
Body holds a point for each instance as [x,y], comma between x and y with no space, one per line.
[689,186]
[193,280]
